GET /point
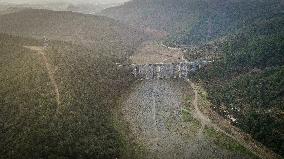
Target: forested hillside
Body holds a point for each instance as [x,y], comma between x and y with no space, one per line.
[90,30]
[34,124]
[247,83]
[191,22]
[56,102]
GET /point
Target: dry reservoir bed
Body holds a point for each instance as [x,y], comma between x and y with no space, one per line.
[160,118]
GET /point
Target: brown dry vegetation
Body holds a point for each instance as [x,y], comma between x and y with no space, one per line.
[153,52]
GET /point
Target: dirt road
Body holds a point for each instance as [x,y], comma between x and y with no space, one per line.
[49,69]
[235,133]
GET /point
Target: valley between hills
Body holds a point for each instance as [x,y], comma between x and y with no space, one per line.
[67,87]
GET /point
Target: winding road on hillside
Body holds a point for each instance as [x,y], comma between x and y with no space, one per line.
[49,69]
[235,133]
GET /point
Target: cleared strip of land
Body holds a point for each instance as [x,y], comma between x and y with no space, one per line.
[50,70]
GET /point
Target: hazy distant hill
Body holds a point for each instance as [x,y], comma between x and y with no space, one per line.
[194,21]
[85,7]
[69,26]
[164,15]
[6,9]
[62,1]
[89,8]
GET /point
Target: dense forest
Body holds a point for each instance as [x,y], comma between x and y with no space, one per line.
[193,22]
[75,121]
[88,30]
[248,81]
[34,125]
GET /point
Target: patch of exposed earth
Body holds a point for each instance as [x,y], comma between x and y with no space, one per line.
[161,118]
[153,52]
[50,70]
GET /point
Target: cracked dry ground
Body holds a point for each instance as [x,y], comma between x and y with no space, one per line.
[162,120]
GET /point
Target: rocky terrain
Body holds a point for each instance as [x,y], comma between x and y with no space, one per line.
[162,119]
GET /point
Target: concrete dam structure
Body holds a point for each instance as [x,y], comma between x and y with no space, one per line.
[166,71]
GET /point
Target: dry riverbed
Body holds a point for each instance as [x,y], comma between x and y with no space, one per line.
[158,119]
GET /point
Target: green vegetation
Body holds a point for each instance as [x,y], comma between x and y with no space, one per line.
[226,142]
[89,83]
[89,30]
[162,15]
[193,22]
[189,99]
[220,18]
[248,81]
[82,51]
[186,115]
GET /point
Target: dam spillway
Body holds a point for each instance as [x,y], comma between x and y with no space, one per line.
[166,71]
